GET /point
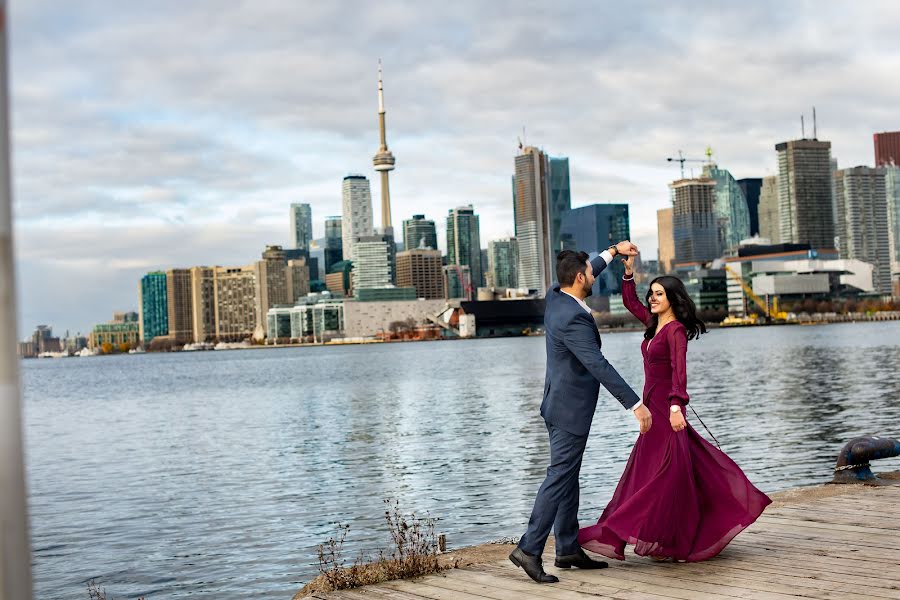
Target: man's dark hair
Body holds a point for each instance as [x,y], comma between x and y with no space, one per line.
[568,265]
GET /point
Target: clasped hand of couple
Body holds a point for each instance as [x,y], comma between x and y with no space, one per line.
[627,251]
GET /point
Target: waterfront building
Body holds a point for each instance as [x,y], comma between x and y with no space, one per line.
[301,226]
[594,228]
[695,228]
[315,318]
[751,188]
[665,239]
[769,224]
[805,193]
[419,232]
[861,221]
[732,213]
[179,305]
[384,294]
[421,269]
[707,287]
[235,302]
[371,262]
[340,281]
[203,304]
[458,282]
[531,208]
[334,245]
[356,218]
[503,262]
[892,191]
[464,241]
[122,336]
[271,282]
[383,161]
[41,341]
[297,273]
[887,149]
[154,317]
[368,319]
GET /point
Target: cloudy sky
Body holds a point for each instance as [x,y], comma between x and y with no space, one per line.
[170,134]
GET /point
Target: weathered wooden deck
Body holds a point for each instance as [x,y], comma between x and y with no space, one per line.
[846,546]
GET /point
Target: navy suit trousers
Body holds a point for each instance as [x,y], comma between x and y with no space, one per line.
[556,505]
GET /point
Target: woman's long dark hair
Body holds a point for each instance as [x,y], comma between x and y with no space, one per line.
[682,305]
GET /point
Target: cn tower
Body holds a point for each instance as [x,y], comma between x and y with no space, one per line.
[383,161]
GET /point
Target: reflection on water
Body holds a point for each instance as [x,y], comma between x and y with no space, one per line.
[214,475]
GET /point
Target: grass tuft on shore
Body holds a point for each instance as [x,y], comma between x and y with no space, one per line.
[414,553]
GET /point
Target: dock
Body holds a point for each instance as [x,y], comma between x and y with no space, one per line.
[841,545]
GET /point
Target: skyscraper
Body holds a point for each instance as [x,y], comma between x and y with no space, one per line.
[887,149]
[769,223]
[560,202]
[334,243]
[594,228]
[301,226]
[458,282]
[384,162]
[356,219]
[862,221]
[203,303]
[531,207]
[892,189]
[271,282]
[419,232]
[371,263]
[665,239]
[732,214]
[421,269]
[694,223]
[154,306]
[235,300]
[464,241]
[179,309]
[805,193]
[503,262]
[751,187]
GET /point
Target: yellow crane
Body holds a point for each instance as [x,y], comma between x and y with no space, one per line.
[771,315]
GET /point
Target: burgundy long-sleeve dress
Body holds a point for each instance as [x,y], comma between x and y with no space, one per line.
[679,496]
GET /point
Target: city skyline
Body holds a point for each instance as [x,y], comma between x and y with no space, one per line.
[187,164]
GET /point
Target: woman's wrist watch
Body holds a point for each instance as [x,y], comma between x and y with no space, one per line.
[674,408]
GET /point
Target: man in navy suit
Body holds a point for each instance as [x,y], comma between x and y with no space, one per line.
[575,371]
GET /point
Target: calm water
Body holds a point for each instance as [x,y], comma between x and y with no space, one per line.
[214,475]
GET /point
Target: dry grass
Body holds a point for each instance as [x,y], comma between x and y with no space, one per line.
[414,554]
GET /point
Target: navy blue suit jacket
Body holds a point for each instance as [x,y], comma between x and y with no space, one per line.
[575,365]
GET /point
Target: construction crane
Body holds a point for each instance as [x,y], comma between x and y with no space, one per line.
[771,315]
[681,159]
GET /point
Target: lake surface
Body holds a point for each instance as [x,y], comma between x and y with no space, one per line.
[216,474]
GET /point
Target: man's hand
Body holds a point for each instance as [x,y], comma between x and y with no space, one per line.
[676,420]
[626,248]
[642,414]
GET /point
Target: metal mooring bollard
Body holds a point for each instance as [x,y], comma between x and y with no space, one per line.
[442,542]
[853,461]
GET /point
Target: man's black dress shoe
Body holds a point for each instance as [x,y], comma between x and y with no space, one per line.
[533,565]
[579,560]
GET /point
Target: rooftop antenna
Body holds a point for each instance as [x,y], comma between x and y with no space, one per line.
[815,136]
[802,128]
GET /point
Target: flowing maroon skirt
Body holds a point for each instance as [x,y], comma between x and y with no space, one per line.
[679,497]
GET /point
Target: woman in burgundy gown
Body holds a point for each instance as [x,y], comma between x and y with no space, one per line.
[679,497]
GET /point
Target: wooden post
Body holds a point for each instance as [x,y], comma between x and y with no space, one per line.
[15,558]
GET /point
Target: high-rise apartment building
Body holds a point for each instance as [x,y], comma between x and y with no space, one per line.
[235,301]
[751,187]
[272,281]
[862,221]
[334,243]
[458,282]
[421,269]
[887,149]
[203,304]
[732,214]
[769,223]
[356,218]
[665,239]
[180,310]
[805,193]
[503,262]
[531,207]
[892,190]
[695,227]
[301,226]
[419,232]
[594,228]
[371,262]
[464,241]
[154,306]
